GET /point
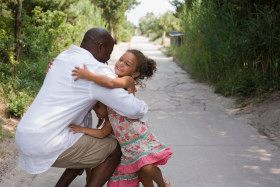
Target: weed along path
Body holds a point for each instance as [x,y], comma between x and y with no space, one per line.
[212,148]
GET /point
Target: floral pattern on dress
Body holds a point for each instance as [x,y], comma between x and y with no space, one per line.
[139,148]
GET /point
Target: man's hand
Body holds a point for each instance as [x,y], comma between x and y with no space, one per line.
[76,128]
[50,64]
[81,73]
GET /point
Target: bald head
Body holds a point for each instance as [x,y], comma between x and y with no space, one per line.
[99,43]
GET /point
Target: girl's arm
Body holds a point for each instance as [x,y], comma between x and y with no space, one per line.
[123,82]
[97,133]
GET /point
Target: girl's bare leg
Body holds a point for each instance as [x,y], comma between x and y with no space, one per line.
[150,173]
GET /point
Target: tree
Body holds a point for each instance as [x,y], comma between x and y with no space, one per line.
[149,24]
[114,13]
[18,29]
[168,22]
[179,5]
[31,33]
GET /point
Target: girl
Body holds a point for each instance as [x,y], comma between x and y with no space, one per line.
[142,152]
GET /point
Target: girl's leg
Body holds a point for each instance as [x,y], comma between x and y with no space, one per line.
[145,177]
[150,173]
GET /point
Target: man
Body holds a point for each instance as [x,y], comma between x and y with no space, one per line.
[43,137]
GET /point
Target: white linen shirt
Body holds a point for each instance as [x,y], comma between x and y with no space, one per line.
[42,133]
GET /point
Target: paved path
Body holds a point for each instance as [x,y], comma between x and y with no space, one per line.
[211,147]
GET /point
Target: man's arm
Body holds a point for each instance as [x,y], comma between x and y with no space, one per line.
[118,99]
[121,101]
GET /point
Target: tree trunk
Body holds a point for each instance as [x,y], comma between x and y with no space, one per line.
[115,35]
[111,29]
[163,38]
[18,30]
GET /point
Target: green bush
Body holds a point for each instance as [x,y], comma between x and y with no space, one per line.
[126,31]
[17,103]
[154,26]
[232,44]
[47,29]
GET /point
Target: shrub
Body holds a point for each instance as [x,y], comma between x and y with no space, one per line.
[17,103]
[232,44]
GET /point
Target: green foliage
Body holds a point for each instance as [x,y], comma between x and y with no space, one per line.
[168,22]
[48,27]
[3,132]
[232,44]
[126,31]
[114,13]
[17,103]
[6,33]
[153,26]
[149,24]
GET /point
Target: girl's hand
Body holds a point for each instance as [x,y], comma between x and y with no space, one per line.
[81,73]
[131,85]
[132,89]
[76,128]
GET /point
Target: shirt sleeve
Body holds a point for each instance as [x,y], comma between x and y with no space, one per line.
[105,70]
[121,101]
[118,99]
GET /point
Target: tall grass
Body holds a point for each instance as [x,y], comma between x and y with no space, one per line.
[232,44]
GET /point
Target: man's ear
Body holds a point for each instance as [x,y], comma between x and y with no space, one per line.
[100,46]
[135,74]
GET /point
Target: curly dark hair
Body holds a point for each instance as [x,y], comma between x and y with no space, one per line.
[146,66]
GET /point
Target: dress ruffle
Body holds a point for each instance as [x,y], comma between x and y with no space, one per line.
[159,158]
[123,183]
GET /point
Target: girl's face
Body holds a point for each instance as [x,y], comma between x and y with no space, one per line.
[100,110]
[127,65]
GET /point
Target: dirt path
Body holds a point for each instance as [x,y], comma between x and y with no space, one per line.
[264,116]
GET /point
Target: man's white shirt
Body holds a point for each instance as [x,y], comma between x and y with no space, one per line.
[42,133]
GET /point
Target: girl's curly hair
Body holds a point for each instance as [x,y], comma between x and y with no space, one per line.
[146,66]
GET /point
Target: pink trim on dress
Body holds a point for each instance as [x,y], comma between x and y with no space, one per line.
[123,183]
[160,158]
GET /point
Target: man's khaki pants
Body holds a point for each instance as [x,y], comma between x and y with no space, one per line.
[87,152]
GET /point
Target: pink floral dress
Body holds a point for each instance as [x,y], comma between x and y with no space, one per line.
[139,148]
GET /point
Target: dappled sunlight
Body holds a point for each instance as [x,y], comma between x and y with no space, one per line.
[223,134]
[155,52]
[9,128]
[275,171]
[261,153]
[192,113]
[256,169]
[161,58]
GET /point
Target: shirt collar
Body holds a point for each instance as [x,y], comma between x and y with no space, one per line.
[81,50]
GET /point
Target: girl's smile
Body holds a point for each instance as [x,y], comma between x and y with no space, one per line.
[126,65]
